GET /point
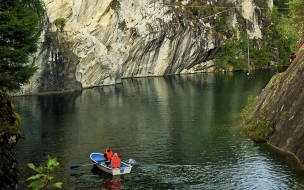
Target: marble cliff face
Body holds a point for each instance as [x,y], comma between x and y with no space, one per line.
[101,44]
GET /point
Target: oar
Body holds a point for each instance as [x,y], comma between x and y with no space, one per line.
[78,166]
[130,161]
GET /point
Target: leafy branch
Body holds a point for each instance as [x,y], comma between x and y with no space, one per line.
[43,177]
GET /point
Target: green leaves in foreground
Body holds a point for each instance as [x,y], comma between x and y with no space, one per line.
[43,177]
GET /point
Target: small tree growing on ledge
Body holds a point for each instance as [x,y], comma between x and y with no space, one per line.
[115,4]
[60,23]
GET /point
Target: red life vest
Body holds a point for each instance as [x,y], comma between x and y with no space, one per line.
[115,161]
[108,154]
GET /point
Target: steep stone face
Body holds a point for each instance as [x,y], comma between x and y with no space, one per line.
[281,103]
[100,45]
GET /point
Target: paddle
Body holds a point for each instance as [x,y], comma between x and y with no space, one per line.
[131,161]
[78,166]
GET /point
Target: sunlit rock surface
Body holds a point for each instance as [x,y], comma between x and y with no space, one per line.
[101,45]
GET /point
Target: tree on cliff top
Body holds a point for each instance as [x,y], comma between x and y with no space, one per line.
[19,34]
[297,16]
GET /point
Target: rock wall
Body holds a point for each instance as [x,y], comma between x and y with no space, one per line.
[101,44]
[281,103]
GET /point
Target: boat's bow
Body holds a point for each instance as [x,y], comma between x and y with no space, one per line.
[97,157]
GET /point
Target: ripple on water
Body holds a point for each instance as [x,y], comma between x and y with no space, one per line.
[241,176]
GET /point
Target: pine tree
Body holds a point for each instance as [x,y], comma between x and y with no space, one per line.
[19,33]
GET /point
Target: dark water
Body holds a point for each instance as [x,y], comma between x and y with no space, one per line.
[182,131]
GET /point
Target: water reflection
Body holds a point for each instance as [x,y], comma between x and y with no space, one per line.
[181,130]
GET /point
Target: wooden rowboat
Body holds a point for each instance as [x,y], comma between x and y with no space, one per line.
[99,160]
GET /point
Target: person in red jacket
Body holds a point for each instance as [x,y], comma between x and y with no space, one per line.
[108,156]
[292,57]
[115,163]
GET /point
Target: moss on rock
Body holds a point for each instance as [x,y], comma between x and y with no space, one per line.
[259,129]
[9,134]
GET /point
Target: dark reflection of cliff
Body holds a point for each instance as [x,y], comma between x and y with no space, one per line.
[43,128]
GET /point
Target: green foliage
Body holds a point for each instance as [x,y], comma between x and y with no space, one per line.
[19,33]
[221,26]
[108,46]
[250,102]
[275,46]
[259,129]
[43,177]
[281,3]
[289,34]
[233,54]
[296,16]
[60,23]
[289,24]
[115,4]
[272,48]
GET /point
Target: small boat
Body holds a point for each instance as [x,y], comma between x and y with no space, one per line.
[99,160]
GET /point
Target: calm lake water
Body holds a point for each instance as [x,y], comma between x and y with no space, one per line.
[181,130]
